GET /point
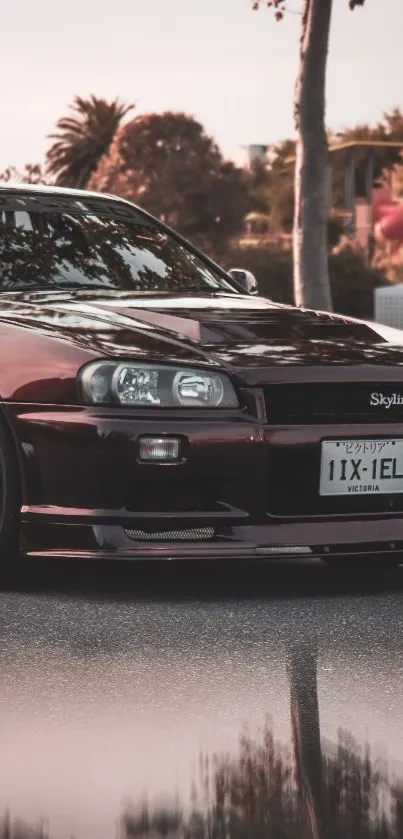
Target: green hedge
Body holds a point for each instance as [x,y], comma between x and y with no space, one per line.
[352,280]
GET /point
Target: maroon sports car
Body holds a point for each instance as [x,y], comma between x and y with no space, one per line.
[152,409]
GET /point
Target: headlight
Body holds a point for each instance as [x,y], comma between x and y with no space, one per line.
[145,385]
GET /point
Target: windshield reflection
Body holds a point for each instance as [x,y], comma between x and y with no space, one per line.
[42,249]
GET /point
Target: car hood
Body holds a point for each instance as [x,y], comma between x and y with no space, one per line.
[243,334]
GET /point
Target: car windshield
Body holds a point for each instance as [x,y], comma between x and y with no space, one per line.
[67,243]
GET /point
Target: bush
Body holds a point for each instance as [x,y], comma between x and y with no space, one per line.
[353,283]
[272,267]
[352,280]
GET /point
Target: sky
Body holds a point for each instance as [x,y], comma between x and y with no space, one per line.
[232,68]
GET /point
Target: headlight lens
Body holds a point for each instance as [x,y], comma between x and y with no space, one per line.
[198,389]
[143,385]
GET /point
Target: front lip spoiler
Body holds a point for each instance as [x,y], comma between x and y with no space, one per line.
[180,553]
[65,537]
[174,553]
[113,543]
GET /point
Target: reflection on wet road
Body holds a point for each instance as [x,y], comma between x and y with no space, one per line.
[202,702]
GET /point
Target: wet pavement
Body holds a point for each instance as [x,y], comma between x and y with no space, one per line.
[217,701]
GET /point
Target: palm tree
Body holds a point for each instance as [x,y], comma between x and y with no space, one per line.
[82,139]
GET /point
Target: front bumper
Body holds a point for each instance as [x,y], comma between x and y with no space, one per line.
[85,495]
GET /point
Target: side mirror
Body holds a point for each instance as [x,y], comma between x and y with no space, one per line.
[245,279]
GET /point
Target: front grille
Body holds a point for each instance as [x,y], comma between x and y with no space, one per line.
[293,488]
[196,534]
[304,404]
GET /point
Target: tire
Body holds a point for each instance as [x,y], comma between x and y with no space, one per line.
[10,503]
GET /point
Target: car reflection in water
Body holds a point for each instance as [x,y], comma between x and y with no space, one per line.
[231,718]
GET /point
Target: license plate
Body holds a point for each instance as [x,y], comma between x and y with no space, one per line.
[361,467]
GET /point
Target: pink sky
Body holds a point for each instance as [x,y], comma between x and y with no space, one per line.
[230,67]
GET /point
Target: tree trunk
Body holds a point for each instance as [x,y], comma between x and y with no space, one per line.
[311,275]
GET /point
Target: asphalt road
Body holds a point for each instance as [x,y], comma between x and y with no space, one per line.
[137,701]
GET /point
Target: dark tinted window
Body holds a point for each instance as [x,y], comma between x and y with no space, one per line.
[62,243]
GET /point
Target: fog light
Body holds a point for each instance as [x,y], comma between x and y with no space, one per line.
[159,449]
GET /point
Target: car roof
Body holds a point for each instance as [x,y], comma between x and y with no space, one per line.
[56,190]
